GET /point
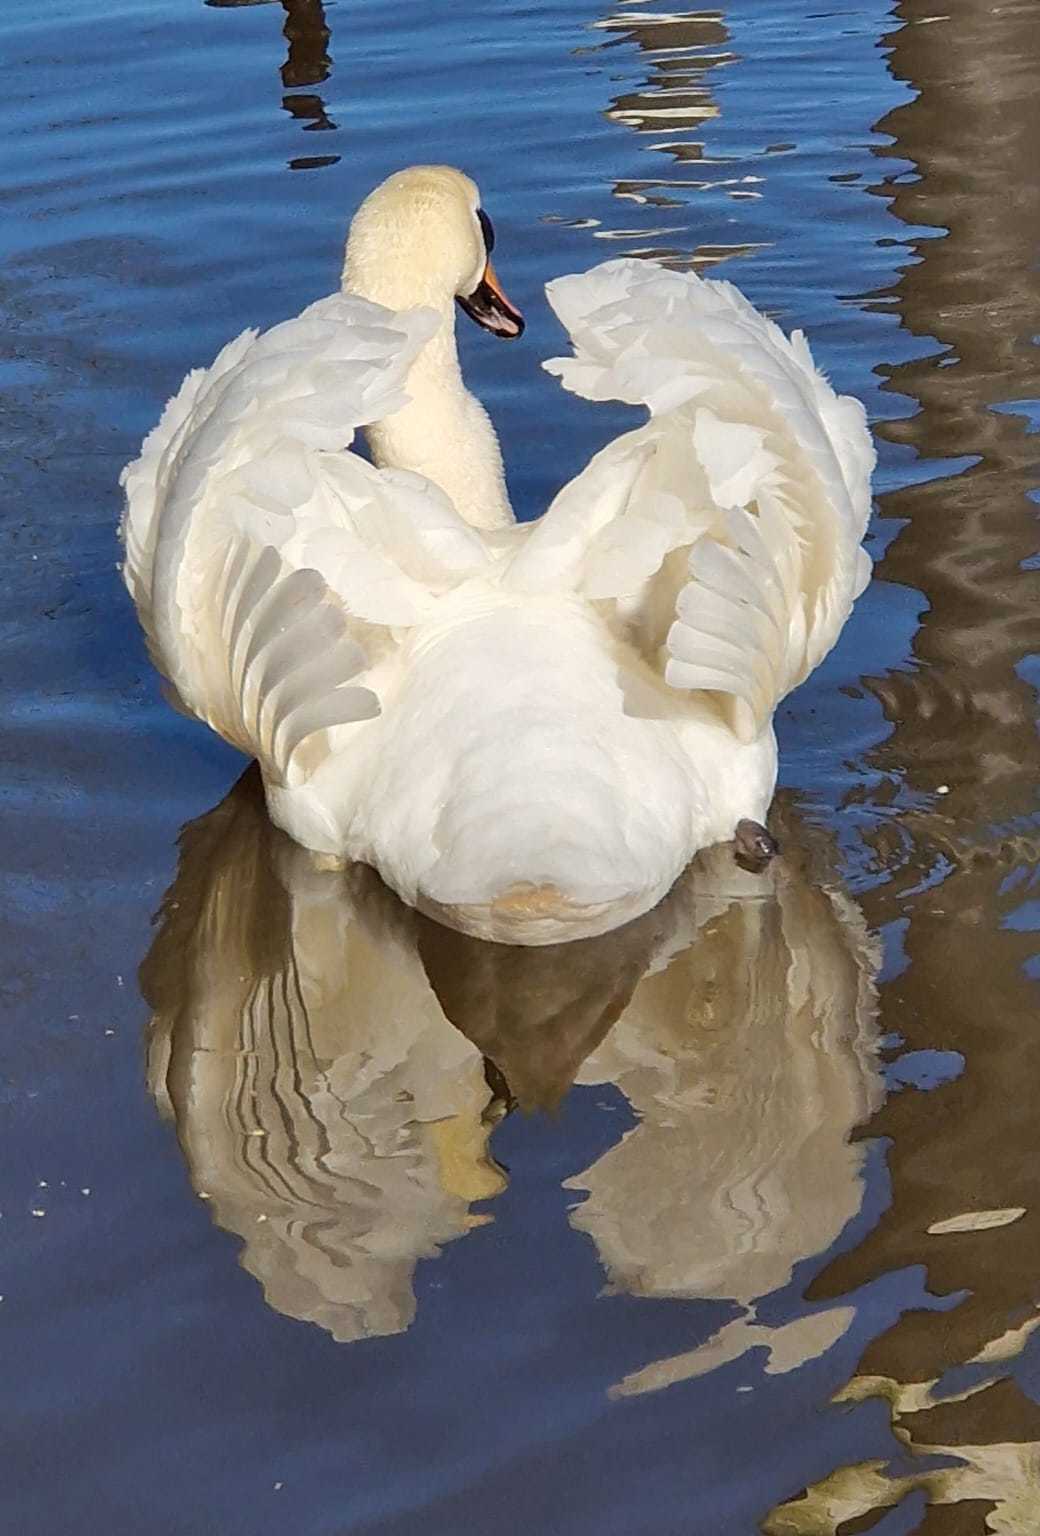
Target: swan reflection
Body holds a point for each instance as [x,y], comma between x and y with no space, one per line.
[335,1065]
[323,1102]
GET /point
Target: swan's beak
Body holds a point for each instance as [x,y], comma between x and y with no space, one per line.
[489,307]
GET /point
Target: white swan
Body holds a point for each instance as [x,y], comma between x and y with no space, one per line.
[529,730]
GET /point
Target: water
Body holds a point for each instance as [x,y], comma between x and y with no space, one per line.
[432,1285]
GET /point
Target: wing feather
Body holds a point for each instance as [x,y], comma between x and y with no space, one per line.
[769,467]
[285,663]
[258,553]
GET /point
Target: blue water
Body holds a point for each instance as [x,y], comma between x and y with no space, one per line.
[173,172]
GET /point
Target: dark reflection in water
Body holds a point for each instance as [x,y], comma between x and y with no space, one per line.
[335,1066]
[308,37]
[957,824]
[308,63]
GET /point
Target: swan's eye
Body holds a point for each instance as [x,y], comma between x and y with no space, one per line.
[487,230]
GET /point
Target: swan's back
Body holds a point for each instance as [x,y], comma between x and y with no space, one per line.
[544,722]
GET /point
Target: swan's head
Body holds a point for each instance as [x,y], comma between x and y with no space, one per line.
[422,238]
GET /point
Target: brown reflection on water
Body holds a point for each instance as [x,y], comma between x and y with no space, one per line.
[335,1064]
[962,717]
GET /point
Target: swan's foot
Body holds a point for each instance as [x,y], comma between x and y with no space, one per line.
[755,846]
[328,863]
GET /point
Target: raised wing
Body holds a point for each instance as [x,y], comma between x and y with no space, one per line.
[728,528]
[267,565]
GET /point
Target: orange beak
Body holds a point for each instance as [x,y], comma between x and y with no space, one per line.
[489,307]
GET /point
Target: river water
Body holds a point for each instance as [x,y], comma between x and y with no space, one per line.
[317,1219]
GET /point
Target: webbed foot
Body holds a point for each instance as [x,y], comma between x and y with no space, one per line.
[755,846]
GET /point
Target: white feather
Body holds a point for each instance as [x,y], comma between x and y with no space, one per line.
[787,465]
[535,727]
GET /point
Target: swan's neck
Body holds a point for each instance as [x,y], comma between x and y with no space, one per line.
[445,433]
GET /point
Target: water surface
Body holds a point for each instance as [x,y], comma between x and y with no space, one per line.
[339,1223]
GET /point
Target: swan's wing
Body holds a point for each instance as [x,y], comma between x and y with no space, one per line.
[268,566]
[728,528]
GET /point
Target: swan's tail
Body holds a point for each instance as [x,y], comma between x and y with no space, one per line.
[515,793]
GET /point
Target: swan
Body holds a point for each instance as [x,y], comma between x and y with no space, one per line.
[528,729]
